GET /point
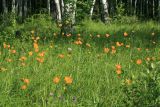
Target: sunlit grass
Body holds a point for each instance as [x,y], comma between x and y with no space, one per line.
[84,66]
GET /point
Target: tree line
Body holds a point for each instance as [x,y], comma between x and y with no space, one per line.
[75,10]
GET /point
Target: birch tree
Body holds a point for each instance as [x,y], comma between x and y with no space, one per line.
[159,9]
[106,13]
[74,12]
[20,8]
[5,6]
[13,6]
[62,7]
[25,8]
[48,6]
[70,11]
[135,7]
[92,8]
[59,17]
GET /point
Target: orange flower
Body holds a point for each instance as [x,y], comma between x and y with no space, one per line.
[118,66]
[41,54]
[61,56]
[106,50]
[118,71]
[127,46]
[8,46]
[79,39]
[35,45]
[113,51]
[78,42]
[122,44]
[25,80]
[56,80]
[88,45]
[118,43]
[125,34]
[36,50]
[139,49]
[30,53]
[113,47]
[4,45]
[23,58]
[13,51]
[68,80]
[107,35]
[40,60]
[23,87]
[139,61]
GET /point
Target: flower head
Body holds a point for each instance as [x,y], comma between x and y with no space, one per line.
[68,80]
[139,61]
[56,80]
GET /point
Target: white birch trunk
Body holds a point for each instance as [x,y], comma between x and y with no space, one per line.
[159,8]
[59,17]
[5,6]
[48,7]
[13,6]
[74,12]
[20,7]
[135,7]
[25,8]
[147,9]
[92,8]
[153,8]
[17,5]
[131,8]
[62,8]
[105,7]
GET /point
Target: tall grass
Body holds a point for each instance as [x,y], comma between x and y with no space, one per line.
[93,70]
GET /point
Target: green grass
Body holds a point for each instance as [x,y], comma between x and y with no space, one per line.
[95,82]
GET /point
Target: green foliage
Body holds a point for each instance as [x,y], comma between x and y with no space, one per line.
[95,82]
[145,88]
[41,23]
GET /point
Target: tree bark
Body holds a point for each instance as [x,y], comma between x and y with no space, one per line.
[59,17]
[25,8]
[5,6]
[20,8]
[62,7]
[106,13]
[13,6]
[92,8]
[48,6]
[153,8]
[159,9]
[74,12]
[135,7]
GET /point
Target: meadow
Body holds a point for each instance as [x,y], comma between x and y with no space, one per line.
[98,65]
